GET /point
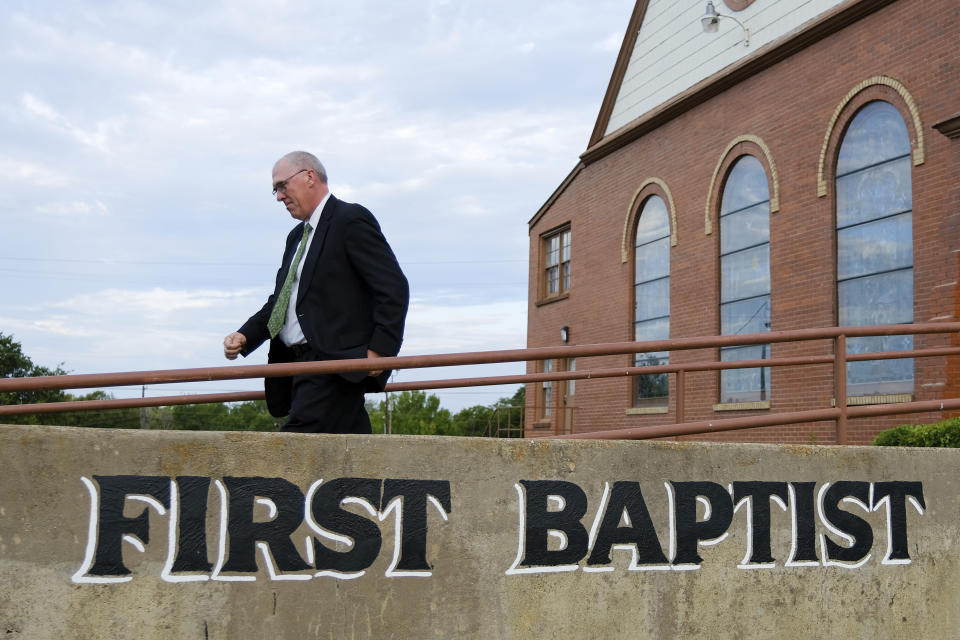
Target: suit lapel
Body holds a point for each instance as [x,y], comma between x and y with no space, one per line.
[316,246]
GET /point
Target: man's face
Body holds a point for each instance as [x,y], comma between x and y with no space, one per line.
[293,189]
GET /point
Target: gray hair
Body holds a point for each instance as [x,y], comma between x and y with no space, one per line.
[304,160]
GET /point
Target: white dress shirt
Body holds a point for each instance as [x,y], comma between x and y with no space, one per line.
[292,333]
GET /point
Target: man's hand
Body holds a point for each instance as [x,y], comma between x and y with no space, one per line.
[374,354]
[233,344]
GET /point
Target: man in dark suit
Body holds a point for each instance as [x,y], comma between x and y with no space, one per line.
[339,294]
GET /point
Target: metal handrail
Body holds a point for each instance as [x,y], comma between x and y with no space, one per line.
[838,358]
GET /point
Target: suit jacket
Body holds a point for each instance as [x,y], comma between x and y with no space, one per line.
[352,297]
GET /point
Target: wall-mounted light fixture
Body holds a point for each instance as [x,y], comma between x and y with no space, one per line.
[565,334]
[711,22]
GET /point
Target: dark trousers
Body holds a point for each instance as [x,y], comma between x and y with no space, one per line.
[326,403]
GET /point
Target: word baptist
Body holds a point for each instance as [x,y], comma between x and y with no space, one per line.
[556,509]
[354,541]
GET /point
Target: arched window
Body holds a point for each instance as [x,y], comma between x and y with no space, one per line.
[745,277]
[875,245]
[651,299]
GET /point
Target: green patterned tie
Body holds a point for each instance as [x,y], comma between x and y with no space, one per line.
[279,313]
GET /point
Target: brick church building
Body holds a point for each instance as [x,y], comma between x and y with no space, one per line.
[758,165]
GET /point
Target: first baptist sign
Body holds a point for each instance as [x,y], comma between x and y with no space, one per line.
[557,529]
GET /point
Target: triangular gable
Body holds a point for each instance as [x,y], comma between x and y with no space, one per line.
[667,63]
[619,70]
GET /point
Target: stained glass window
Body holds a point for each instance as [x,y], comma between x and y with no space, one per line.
[875,245]
[745,277]
[651,295]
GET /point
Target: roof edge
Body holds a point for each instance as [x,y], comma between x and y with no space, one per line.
[556,194]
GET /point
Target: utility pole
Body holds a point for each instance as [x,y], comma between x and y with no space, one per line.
[388,417]
[144,411]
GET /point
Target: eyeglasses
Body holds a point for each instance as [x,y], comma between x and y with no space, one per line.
[282,185]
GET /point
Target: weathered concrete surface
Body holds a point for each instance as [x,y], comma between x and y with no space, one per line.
[470,592]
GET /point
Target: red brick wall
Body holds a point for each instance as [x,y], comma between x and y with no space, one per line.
[789,107]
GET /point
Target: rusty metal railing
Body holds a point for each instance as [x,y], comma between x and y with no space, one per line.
[839,359]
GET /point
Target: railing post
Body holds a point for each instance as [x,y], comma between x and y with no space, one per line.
[681,391]
[840,386]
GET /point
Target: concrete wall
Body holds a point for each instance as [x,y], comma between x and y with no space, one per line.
[244,535]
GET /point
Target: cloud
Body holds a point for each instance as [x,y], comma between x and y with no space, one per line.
[435,328]
[59,326]
[166,99]
[128,329]
[75,208]
[98,138]
[20,324]
[29,174]
[153,307]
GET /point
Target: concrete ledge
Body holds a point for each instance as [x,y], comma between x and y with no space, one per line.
[121,534]
[646,411]
[742,406]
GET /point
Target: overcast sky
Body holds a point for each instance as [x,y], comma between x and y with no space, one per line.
[137,139]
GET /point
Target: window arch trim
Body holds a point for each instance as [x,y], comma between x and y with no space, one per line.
[741,146]
[650,186]
[886,385]
[850,104]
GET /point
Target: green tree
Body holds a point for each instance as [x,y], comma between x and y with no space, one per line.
[14,363]
[510,414]
[518,399]
[417,412]
[241,416]
[413,412]
[376,412]
[253,416]
[472,421]
[99,418]
[200,417]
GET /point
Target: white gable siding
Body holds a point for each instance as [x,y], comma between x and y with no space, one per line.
[672,53]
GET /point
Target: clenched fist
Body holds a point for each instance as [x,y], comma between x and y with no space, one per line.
[233,344]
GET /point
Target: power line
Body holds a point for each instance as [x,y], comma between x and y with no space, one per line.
[179,263]
[93,277]
[109,262]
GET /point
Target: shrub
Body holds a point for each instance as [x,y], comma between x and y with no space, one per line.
[941,434]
